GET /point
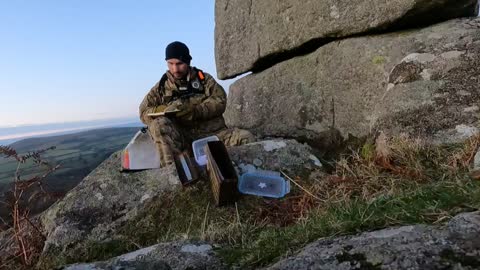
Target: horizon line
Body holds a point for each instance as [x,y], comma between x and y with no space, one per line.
[70,122]
[47,132]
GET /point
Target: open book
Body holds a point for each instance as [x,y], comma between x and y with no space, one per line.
[163,113]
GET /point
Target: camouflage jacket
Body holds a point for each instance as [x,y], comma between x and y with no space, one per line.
[208,101]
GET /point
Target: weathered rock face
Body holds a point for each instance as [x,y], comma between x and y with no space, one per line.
[423,82]
[160,257]
[276,155]
[101,202]
[454,246]
[251,35]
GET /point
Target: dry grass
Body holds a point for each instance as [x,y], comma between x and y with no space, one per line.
[393,165]
[389,167]
[463,157]
[23,241]
[393,181]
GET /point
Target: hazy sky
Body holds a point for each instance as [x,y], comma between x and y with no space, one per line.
[85,59]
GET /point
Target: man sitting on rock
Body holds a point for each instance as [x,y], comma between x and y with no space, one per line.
[185,105]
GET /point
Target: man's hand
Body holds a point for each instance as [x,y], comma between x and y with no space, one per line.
[186,113]
[159,109]
[186,109]
[176,105]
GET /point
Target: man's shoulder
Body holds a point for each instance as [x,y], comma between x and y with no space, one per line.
[161,82]
[156,86]
[203,73]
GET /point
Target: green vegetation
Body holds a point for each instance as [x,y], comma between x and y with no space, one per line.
[378,60]
[428,205]
[394,181]
[79,152]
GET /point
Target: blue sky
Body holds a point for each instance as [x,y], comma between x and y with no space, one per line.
[63,61]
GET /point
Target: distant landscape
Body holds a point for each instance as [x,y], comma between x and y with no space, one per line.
[9,135]
[78,154]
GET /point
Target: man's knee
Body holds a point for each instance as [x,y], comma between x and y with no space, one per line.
[235,136]
[160,122]
[161,127]
[245,136]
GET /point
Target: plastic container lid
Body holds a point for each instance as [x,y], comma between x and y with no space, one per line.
[198,147]
[264,183]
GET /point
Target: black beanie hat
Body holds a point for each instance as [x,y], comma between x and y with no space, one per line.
[179,51]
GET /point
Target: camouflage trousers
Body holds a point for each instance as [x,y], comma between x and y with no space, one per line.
[171,138]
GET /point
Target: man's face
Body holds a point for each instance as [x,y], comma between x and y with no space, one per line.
[178,68]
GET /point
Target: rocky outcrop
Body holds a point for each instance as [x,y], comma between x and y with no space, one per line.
[95,212]
[453,246]
[101,202]
[165,256]
[254,35]
[422,82]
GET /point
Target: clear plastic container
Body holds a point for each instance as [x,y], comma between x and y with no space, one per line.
[264,183]
[140,153]
[198,147]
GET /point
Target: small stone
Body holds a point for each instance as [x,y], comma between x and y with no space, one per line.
[464,93]
[471,109]
[196,249]
[419,57]
[466,131]
[452,54]
[257,162]
[133,255]
[245,168]
[449,45]
[334,12]
[435,36]
[99,196]
[145,197]
[273,145]
[426,75]
[316,161]
[476,161]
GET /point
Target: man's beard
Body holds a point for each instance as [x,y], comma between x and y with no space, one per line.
[178,75]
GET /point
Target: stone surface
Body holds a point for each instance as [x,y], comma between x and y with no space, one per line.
[253,35]
[422,82]
[100,203]
[276,155]
[476,161]
[453,246]
[177,255]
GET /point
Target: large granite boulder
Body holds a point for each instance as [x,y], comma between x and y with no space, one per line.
[423,82]
[453,246]
[253,35]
